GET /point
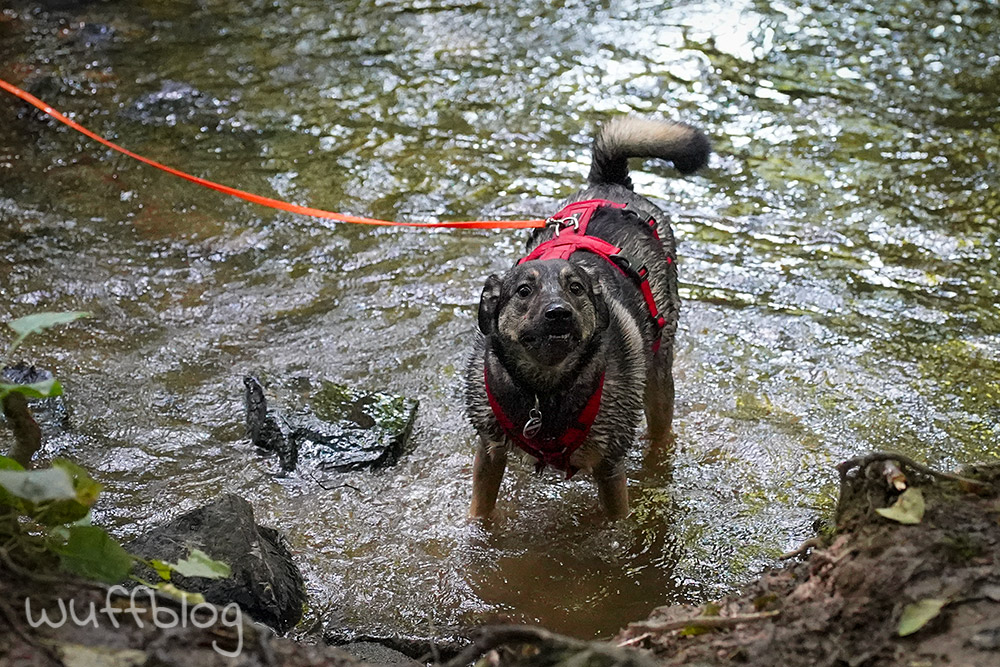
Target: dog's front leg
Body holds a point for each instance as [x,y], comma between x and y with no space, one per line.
[487,473]
[612,489]
[659,400]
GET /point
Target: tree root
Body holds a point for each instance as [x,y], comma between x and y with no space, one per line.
[863,462]
[705,622]
[811,543]
[557,648]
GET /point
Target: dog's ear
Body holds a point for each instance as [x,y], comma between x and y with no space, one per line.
[488,305]
[600,306]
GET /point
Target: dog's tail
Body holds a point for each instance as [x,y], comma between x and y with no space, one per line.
[631,136]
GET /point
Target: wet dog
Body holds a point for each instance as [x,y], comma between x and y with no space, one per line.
[577,337]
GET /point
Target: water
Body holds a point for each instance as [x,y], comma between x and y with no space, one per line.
[838,266]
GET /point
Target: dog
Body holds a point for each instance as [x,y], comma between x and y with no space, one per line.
[577,337]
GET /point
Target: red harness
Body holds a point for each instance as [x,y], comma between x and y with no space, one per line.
[550,451]
[571,236]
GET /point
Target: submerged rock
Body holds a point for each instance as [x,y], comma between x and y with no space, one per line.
[263,428]
[264,582]
[177,102]
[328,426]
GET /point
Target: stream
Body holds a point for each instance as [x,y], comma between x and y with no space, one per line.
[838,262]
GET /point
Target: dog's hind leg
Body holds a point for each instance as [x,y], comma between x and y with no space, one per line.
[612,489]
[659,399]
[487,473]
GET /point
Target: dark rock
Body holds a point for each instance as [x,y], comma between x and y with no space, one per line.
[265,581]
[420,649]
[328,426]
[373,653]
[22,373]
[263,428]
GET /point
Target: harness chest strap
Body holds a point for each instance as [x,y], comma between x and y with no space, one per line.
[555,452]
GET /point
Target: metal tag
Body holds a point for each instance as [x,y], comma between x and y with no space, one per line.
[533,425]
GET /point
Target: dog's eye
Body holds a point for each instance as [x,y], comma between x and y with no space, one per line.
[524,290]
[576,288]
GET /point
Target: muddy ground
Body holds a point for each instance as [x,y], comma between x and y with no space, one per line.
[872,591]
[860,588]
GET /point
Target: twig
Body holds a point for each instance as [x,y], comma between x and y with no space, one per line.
[635,640]
[864,461]
[706,622]
[894,477]
[494,637]
[332,488]
[811,543]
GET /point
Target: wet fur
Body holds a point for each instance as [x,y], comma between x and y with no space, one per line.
[612,332]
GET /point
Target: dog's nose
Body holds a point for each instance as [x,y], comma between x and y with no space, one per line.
[557,312]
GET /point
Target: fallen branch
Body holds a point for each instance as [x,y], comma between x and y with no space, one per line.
[15,625]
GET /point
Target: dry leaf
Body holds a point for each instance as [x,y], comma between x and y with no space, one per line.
[908,508]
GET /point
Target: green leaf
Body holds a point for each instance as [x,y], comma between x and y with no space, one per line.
[92,553]
[908,508]
[162,569]
[918,614]
[200,564]
[7,463]
[45,389]
[7,499]
[29,324]
[85,494]
[52,496]
[38,486]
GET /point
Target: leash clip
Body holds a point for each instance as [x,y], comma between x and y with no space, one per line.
[562,223]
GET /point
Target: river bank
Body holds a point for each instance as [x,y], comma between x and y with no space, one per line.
[894,583]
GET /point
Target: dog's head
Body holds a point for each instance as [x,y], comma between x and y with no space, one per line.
[543,312]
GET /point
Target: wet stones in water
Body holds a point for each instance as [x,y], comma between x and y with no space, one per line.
[264,582]
[177,102]
[328,426]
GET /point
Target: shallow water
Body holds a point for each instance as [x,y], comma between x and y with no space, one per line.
[838,262]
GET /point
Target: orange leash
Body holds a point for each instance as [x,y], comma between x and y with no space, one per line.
[258,199]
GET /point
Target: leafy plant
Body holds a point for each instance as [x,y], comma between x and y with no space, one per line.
[45,513]
[24,327]
[48,514]
[14,396]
